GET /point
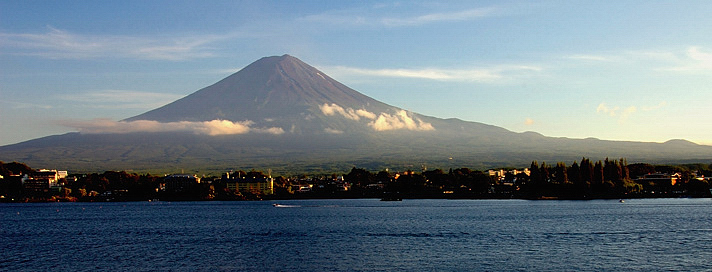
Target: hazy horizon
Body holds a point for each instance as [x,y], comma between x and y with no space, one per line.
[632,71]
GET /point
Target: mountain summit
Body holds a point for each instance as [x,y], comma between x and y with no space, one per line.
[280,92]
[270,87]
[284,114]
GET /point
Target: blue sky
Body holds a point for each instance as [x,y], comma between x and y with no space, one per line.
[617,70]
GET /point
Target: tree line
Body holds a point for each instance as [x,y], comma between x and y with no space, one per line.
[583,179]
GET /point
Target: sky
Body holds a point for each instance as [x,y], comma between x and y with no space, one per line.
[614,70]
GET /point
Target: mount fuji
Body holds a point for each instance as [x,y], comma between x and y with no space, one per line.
[284,114]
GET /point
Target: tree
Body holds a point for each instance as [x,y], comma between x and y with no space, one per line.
[14,168]
[597,176]
[560,173]
[586,171]
[612,171]
[574,173]
[624,169]
[637,170]
[359,177]
[436,178]
[545,172]
[534,175]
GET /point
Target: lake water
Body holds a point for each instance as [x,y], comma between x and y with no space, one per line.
[359,235]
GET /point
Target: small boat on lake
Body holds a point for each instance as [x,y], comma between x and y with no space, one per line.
[277,205]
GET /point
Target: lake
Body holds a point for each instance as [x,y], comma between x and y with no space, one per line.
[359,235]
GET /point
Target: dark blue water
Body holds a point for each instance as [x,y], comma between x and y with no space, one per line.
[359,235]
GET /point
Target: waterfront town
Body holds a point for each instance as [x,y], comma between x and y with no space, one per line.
[581,180]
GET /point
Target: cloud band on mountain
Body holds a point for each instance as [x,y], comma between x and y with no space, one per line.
[400,120]
[332,109]
[380,122]
[212,128]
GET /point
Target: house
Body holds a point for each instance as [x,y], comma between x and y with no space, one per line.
[264,186]
[659,179]
[42,181]
[659,182]
[180,182]
[501,174]
[251,182]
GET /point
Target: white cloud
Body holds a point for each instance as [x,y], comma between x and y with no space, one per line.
[696,60]
[220,127]
[366,114]
[23,105]
[380,122]
[616,111]
[528,121]
[120,99]
[622,114]
[692,60]
[464,15]
[332,109]
[628,111]
[653,55]
[362,17]
[270,130]
[651,108]
[597,58]
[400,120]
[213,128]
[696,54]
[493,74]
[333,131]
[62,44]
[603,108]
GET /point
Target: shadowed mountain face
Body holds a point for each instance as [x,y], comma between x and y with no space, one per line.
[281,113]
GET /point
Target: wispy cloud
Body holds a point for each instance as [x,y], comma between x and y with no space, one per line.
[363,17]
[594,58]
[623,113]
[464,15]
[269,130]
[655,107]
[62,44]
[120,99]
[695,60]
[24,105]
[213,128]
[493,74]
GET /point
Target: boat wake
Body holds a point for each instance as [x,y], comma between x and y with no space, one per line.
[285,206]
[277,205]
